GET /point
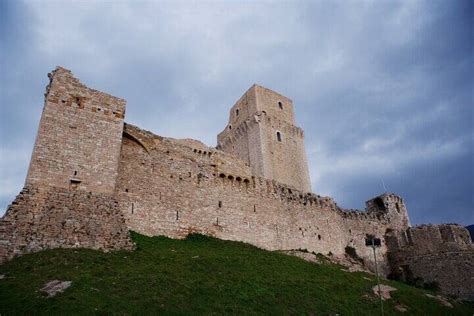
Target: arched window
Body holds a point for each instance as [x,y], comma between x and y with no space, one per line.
[237,112]
[280,105]
[279,136]
[230,126]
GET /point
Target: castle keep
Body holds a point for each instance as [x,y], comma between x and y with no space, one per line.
[93,177]
[262,132]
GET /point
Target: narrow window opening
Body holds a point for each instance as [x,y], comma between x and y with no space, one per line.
[280,105]
[237,112]
[254,208]
[230,126]
[279,136]
[217,221]
[126,190]
[75,172]
[220,204]
[319,237]
[177,215]
[133,207]
[380,204]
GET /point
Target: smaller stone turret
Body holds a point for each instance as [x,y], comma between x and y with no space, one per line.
[393,206]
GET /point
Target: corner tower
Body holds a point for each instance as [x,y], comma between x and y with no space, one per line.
[79,137]
[262,132]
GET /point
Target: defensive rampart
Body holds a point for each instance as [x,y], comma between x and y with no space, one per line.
[434,255]
[46,218]
[171,188]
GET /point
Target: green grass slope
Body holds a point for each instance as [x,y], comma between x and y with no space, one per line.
[199,275]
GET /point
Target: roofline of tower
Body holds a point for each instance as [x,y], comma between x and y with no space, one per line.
[273,91]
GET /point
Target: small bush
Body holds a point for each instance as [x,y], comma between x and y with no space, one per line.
[351,252]
[433,286]
[198,237]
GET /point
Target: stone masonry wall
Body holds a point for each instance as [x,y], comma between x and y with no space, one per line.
[45,218]
[285,155]
[434,253]
[79,137]
[241,136]
[173,189]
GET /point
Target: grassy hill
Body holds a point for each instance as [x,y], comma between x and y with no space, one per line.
[199,275]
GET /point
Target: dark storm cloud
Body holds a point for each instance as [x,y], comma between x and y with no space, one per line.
[382,89]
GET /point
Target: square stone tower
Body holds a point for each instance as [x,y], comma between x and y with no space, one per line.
[79,137]
[262,132]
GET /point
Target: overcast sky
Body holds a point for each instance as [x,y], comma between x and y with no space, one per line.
[383,89]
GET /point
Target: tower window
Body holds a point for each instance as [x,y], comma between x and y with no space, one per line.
[280,105]
[279,136]
[230,126]
[237,112]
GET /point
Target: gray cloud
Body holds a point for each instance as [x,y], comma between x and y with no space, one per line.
[382,89]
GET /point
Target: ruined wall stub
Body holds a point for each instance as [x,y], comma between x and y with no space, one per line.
[441,254]
[79,137]
[262,132]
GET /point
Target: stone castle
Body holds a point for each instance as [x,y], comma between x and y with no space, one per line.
[93,178]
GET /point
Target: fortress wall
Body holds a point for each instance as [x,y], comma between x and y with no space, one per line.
[434,253]
[79,137]
[46,218]
[453,271]
[171,191]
